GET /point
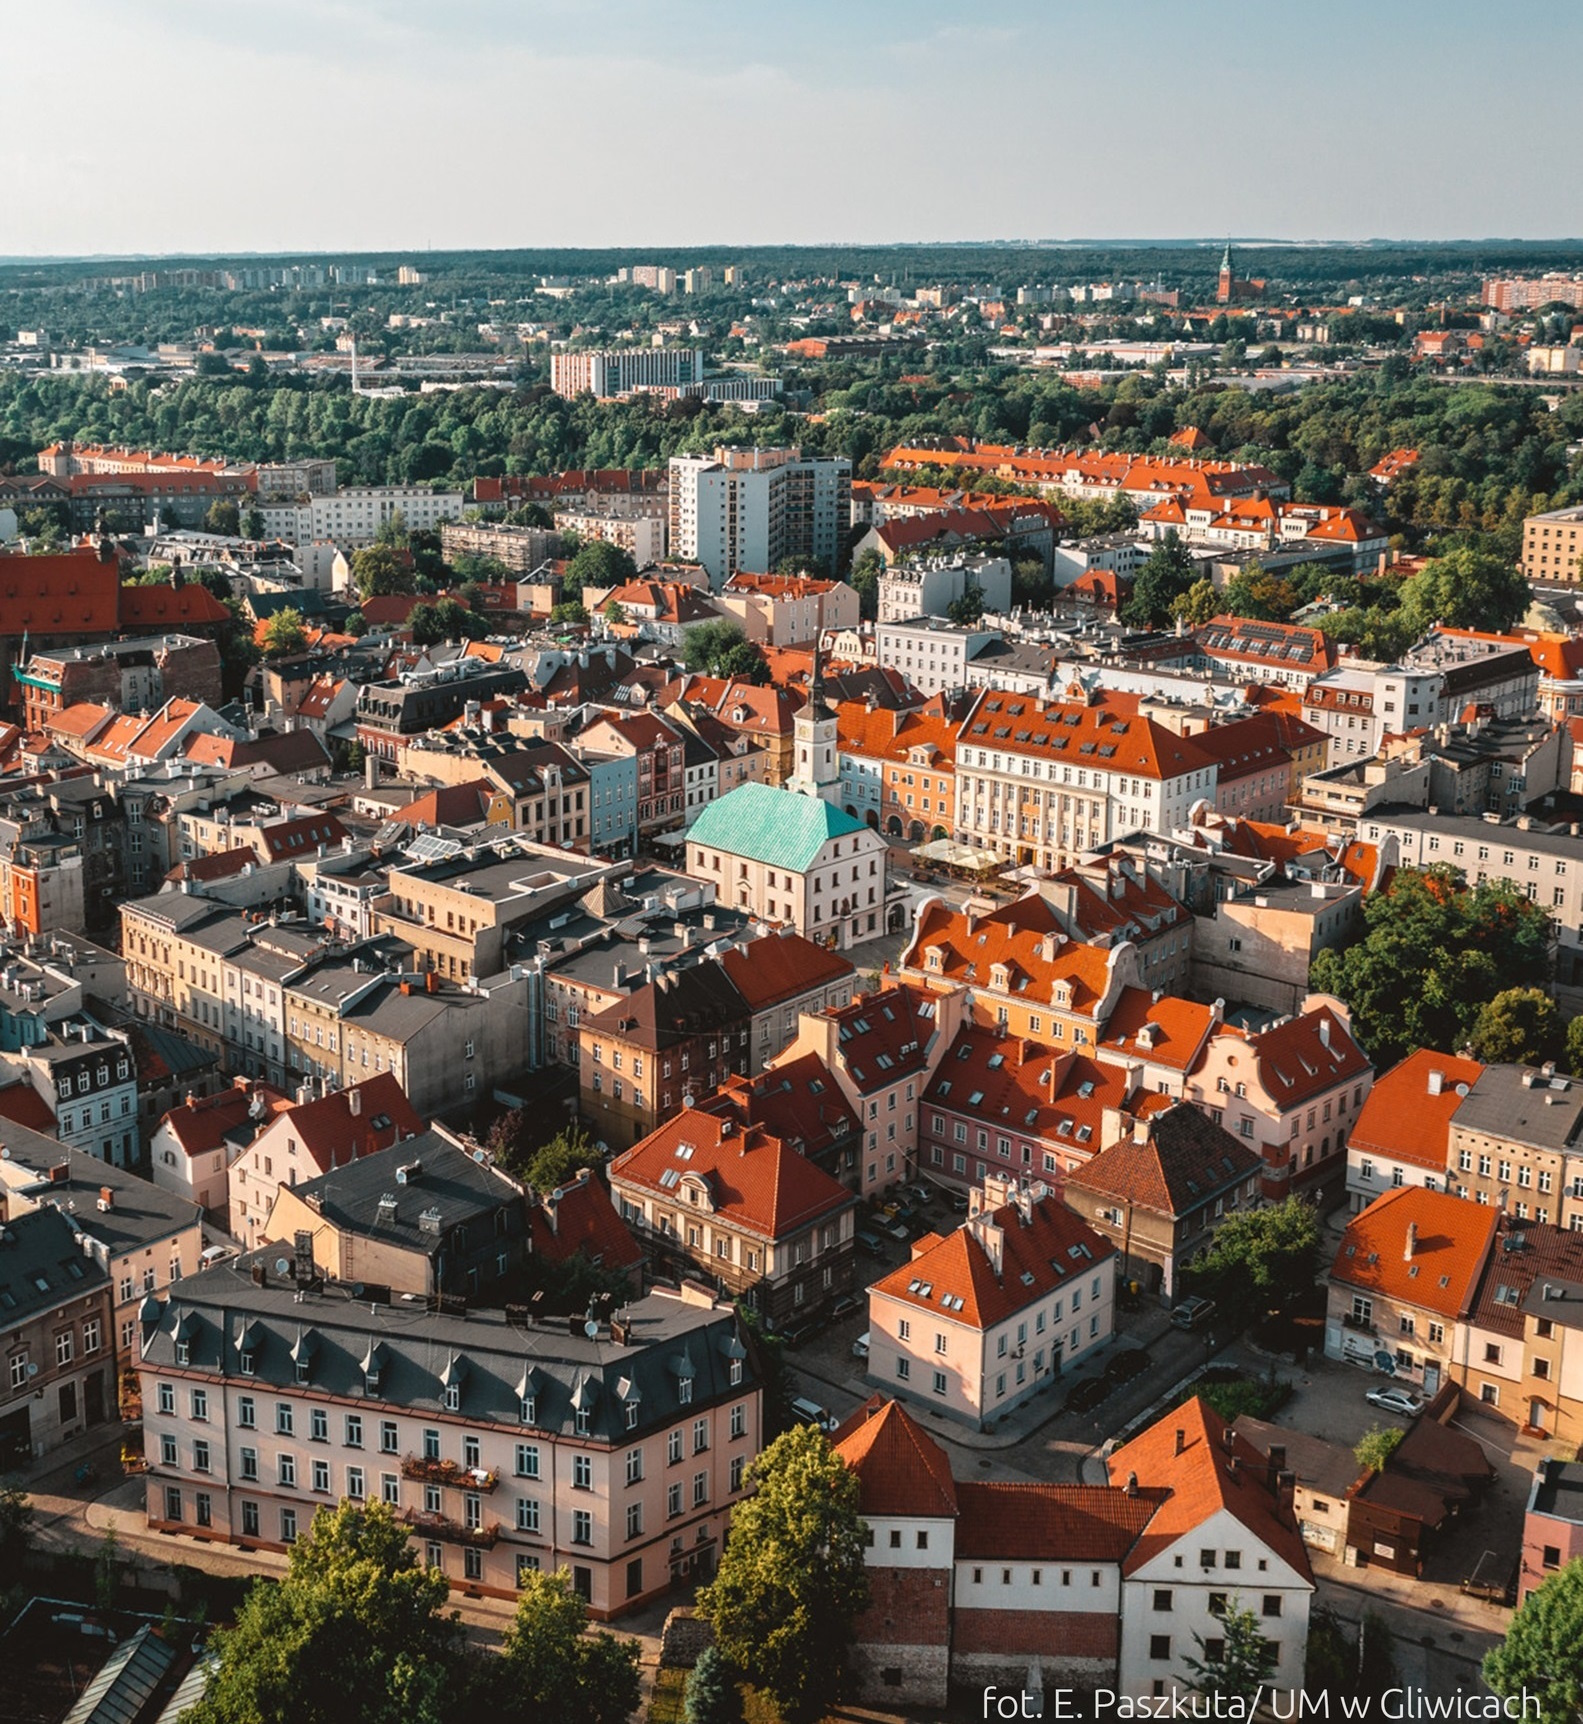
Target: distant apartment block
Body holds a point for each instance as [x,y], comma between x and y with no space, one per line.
[642,537]
[519,549]
[1551,545]
[354,516]
[622,371]
[1518,293]
[753,508]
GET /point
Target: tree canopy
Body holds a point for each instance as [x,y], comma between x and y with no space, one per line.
[549,1668]
[1542,1653]
[598,564]
[792,1580]
[378,573]
[1376,1446]
[283,633]
[1167,575]
[1270,1252]
[353,1634]
[1520,1026]
[1241,1663]
[1433,953]
[723,649]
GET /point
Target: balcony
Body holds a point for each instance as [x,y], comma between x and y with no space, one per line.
[1359,1325]
[451,1531]
[448,1473]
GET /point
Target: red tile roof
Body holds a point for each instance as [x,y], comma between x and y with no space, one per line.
[1187,1454]
[23,1105]
[289,840]
[1183,1161]
[450,804]
[882,733]
[797,1100]
[1451,1242]
[332,1134]
[752,1179]
[1306,1055]
[1023,936]
[901,1469]
[187,606]
[218,865]
[206,1123]
[1108,731]
[1048,1249]
[60,593]
[776,968]
[884,1036]
[1173,1031]
[1404,1118]
[1016,1522]
[579,1217]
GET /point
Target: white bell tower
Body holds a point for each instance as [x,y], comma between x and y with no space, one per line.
[816,760]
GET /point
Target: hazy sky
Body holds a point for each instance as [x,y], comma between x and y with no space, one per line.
[148,126]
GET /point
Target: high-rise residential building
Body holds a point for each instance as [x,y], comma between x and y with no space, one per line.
[620,371]
[1552,543]
[752,508]
[1519,293]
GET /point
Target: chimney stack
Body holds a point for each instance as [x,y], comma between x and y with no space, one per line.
[1437,1082]
[1181,1440]
[1411,1248]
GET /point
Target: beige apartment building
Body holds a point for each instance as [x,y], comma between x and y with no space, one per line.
[1551,546]
[506,1447]
[1515,1142]
[988,1315]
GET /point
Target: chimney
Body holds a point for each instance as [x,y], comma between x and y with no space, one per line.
[354,1101]
[1181,1440]
[1410,1250]
[1324,1032]
[107,1197]
[1132,1484]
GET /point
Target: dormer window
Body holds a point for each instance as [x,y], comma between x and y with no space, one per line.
[735,1372]
[183,1353]
[684,1389]
[530,1409]
[632,1415]
[245,1364]
[582,1418]
[453,1397]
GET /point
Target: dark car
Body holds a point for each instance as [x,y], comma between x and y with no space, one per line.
[1123,1367]
[1086,1396]
[870,1242]
[959,1202]
[794,1334]
[848,1305]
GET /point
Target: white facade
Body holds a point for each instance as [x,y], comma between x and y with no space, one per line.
[355,515]
[751,508]
[931,653]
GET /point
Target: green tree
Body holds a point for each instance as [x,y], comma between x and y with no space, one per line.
[713,1694]
[723,649]
[443,620]
[353,1634]
[356,625]
[1198,604]
[1376,1446]
[393,532]
[1167,573]
[1520,1026]
[16,1528]
[378,573]
[1269,1252]
[569,611]
[600,565]
[1258,594]
[968,609]
[106,1569]
[1542,1653]
[549,1668]
[1574,1047]
[223,517]
[561,1159]
[792,1580]
[253,523]
[615,614]
[866,572]
[1467,588]
[283,633]
[1433,952]
[1242,1663]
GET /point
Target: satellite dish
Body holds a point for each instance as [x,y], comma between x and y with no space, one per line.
[282,1265]
[591,1329]
[32,1370]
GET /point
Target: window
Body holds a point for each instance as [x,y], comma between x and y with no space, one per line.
[387,1437]
[1160,1647]
[582,1527]
[737,1464]
[288,1526]
[673,1500]
[167,1452]
[673,1447]
[634,1466]
[354,1483]
[700,1435]
[634,1520]
[739,1421]
[283,1418]
[527,1460]
[1552,1556]
[287,1474]
[527,1514]
[1162,1598]
[249,1520]
[700,1489]
[248,1460]
[390,1489]
[321,1476]
[246,1413]
[1272,1604]
[582,1473]
[319,1425]
[354,1431]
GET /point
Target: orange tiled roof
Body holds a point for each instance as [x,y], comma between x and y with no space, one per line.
[1052,1248]
[776,968]
[1450,1244]
[1168,1031]
[188,605]
[1187,1453]
[1108,732]
[1025,937]
[884,733]
[60,593]
[754,1180]
[901,1469]
[1404,1117]
[333,1135]
[579,1217]
[1012,1521]
[1296,1061]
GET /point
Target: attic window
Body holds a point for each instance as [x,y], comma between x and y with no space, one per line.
[996,1061]
[684,1152]
[964,1052]
[975,1098]
[1027,1277]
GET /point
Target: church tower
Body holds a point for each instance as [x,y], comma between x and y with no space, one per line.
[1228,278]
[817,770]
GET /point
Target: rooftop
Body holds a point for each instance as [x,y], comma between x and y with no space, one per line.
[774,826]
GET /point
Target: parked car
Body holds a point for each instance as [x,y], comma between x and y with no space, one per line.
[959,1202]
[860,1346]
[794,1334]
[1123,1367]
[1086,1396]
[870,1242]
[846,1306]
[1396,1401]
[897,1230]
[1193,1312]
[921,1193]
[806,1412]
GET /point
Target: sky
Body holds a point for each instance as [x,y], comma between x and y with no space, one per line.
[145,127]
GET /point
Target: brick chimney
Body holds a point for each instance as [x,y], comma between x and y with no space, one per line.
[1410,1249]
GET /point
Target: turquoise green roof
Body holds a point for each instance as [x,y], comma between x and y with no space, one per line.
[768,825]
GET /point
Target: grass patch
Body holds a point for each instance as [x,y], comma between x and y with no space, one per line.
[670,1699]
[1235,1397]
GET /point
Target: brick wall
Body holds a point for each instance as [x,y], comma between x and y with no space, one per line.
[1080,1634]
[907,1607]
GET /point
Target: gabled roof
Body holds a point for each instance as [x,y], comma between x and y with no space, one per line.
[450,804]
[883,1036]
[885,733]
[1183,1160]
[1044,1247]
[1306,1055]
[1276,646]
[752,1180]
[1168,1031]
[290,840]
[901,1469]
[673,1008]
[1106,732]
[1407,1115]
[1023,1086]
[776,968]
[229,1117]
[579,1217]
[774,826]
[189,605]
[1188,1454]
[333,1135]
[1450,1240]
[797,1100]
[64,592]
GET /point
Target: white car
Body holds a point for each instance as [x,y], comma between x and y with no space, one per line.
[860,1346]
[1396,1401]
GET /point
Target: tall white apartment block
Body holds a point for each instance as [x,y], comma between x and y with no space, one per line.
[750,508]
